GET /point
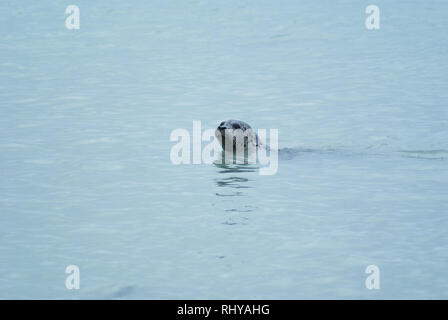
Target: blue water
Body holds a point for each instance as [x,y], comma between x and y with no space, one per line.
[86,178]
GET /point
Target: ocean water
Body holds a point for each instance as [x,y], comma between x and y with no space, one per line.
[86,177]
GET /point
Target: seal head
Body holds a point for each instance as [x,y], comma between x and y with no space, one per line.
[239,133]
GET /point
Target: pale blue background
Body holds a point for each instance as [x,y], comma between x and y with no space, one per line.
[86,179]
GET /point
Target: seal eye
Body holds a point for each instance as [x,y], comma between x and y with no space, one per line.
[236,126]
[221,124]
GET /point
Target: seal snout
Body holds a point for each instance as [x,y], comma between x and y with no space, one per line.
[222,126]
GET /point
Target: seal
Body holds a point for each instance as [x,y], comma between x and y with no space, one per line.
[238,141]
[240,135]
[240,144]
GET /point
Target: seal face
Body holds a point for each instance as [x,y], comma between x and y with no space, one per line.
[236,135]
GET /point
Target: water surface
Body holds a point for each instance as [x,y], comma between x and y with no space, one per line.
[86,178]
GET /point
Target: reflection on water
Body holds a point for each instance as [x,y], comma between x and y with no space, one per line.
[246,208]
[234,181]
[235,168]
